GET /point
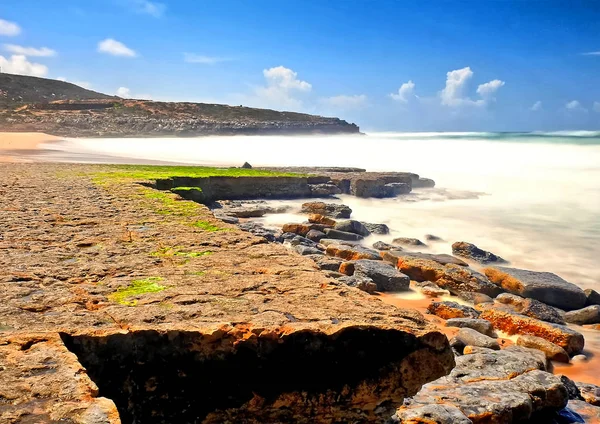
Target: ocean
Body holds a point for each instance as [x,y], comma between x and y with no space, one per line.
[532,198]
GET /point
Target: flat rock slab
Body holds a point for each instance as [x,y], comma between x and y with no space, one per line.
[470,251]
[531,308]
[504,386]
[543,286]
[384,275]
[480,325]
[588,315]
[470,337]
[553,352]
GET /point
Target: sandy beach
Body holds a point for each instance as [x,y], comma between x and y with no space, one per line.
[13,144]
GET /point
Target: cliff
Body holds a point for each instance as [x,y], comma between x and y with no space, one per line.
[63,109]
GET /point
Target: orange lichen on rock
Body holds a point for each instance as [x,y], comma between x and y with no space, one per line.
[316,218]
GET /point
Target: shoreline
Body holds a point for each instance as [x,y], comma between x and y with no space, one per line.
[14,144]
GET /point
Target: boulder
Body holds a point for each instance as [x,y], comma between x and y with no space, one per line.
[543,286]
[362,283]
[553,352]
[454,278]
[347,268]
[328,241]
[480,325]
[307,250]
[469,337]
[587,315]
[593,297]
[406,241]
[470,251]
[352,253]
[589,392]
[333,210]
[316,218]
[440,258]
[302,229]
[431,237]
[246,165]
[342,235]
[431,289]
[315,235]
[447,310]
[381,229]
[302,241]
[531,308]
[380,245]
[324,190]
[503,386]
[384,275]
[352,226]
[423,183]
[474,298]
[572,388]
[257,228]
[327,263]
[513,323]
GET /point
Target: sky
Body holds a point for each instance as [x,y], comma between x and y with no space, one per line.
[397,65]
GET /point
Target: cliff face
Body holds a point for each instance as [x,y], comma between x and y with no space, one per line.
[63,109]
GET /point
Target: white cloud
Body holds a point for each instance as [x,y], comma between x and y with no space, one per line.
[115,48]
[205,60]
[575,106]
[124,92]
[591,53]
[282,85]
[83,84]
[596,107]
[537,106]
[457,81]
[30,51]
[18,64]
[489,88]
[405,92]
[9,29]
[345,102]
[147,7]
[285,79]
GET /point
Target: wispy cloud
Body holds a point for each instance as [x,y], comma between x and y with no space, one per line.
[537,106]
[345,102]
[204,60]
[18,64]
[405,92]
[591,53]
[115,48]
[125,93]
[30,51]
[147,7]
[9,29]
[575,106]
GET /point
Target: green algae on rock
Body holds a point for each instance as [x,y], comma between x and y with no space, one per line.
[137,288]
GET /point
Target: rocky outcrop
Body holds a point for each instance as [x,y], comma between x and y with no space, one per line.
[543,286]
[352,226]
[470,251]
[505,386]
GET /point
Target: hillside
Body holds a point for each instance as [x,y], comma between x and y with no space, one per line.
[64,109]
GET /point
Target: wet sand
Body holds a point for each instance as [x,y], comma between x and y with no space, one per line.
[14,146]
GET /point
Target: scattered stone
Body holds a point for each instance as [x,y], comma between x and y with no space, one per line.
[347,268]
[364,284]
[503,386]
[380,229]
[441,259]
[431,289]
[380,245]
[572,389]
[342,235]
[589,392]
[454,278]
[352,253]
[470,251]
[302,241]
[328,241]
[406,241]
[227,218]
[248,212]
[579,359]
[352,226]
[513,323]
[385,276]
[587,315]
[593,297]
[302,229]
[246,165]
[316,218]
[327,263]
[324,190]
[470,337]
[543,286]
[480,325]
[475,298]
[306,250]
[333,210]
[258,229]
[447,310]
[431,237]
[553,352]
[531,308]
[315,235]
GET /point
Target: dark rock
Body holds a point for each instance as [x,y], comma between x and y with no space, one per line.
[503,386]
[531,308]
[572,389]
[431,237]
[470,337]
[380,245]
[553,352]
[441,259]
[406,241]
[396,189]
[513,323]
[447,310]
[347,268]
[593,297]
[480,325]
[587,315]
[543,286]
[306,250]
[342,235]
[423,183]
[323,190]
[352,226]
[302,241]
[589,392]
[385,276]
[352,253]
[381,229]
[258,229]
[246,165]
[362,283]
[302,229]
[470,251]
[315,235]
[227,218]
[333,210]
[327,263]
[475,298]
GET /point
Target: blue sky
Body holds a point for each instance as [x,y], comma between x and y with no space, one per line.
[386,65]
